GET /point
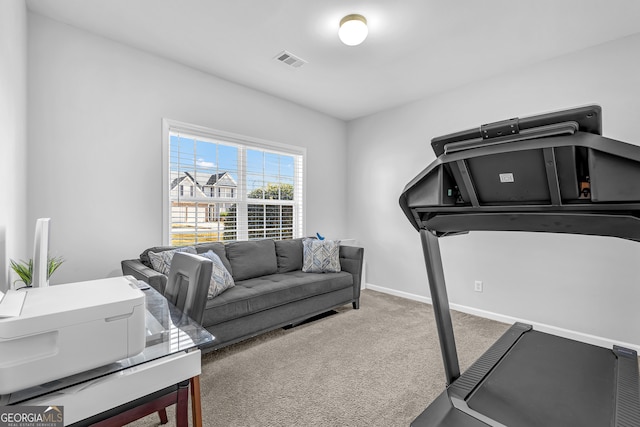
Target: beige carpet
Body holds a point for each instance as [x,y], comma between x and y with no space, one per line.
[377,366]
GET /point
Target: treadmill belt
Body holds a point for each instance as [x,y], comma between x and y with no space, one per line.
[546,381]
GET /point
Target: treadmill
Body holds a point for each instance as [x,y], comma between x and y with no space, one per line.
[547,173]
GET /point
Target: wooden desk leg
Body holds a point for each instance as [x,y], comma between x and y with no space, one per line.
[196,408]
[182,406]
[162,413]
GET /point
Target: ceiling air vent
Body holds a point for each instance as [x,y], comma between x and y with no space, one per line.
[290,59]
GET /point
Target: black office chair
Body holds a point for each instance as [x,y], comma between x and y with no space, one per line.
[188,284]
[187,289]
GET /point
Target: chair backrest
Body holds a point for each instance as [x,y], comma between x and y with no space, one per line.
[188,284]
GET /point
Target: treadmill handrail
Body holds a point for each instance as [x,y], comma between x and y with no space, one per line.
[589,119]
[566,128]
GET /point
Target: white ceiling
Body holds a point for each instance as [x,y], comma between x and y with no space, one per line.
[415,47]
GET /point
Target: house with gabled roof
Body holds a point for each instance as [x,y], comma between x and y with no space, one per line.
[220,184]
[186,186]
[195,204]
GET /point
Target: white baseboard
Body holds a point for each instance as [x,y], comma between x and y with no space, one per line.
[402,294]
[566,333]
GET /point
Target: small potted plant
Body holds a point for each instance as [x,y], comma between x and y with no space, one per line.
[24,269]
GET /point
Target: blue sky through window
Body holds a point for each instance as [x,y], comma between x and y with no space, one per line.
[203,159]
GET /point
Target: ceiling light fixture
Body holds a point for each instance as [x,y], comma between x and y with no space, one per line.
[353,29]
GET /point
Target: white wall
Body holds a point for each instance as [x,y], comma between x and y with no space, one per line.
[95,111]
[13,134]
[589,285]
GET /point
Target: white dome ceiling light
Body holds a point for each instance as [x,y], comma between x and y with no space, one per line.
[353,29]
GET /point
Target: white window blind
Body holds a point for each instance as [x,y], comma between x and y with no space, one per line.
[224,187]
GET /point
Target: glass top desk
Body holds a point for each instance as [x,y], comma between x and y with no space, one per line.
[171,356]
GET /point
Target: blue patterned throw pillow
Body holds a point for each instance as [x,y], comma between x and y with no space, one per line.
[320,256]
[161,261]
[221,279]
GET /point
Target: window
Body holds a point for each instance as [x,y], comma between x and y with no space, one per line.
[240,188]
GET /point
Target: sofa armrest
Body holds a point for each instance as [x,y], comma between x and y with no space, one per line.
[135,268]
[351,261]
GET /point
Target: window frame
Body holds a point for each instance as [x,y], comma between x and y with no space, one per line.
[170,126]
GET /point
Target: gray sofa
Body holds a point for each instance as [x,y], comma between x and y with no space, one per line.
[271,290]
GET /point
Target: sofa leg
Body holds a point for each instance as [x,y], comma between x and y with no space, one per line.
[356,304]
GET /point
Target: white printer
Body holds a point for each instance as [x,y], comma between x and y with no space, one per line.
[56,331]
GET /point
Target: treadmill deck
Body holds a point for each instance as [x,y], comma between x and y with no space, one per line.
[542,380]
[542,375]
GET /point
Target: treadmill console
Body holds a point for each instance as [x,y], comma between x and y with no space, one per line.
[548,173]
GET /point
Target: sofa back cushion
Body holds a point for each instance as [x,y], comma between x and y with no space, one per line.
[251,259]
[218,249]
[289,255]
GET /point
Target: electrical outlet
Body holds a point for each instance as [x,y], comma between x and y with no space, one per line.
[477,286]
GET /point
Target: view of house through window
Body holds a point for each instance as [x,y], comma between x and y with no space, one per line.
[223,189]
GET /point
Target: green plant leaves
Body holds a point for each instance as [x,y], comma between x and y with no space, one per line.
[24,269]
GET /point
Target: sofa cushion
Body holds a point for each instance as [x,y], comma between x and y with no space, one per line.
[161,262]
[218,249]
[251,259]
[262,293]
[221,279]
[289,255]
[321,256]
[144,256]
